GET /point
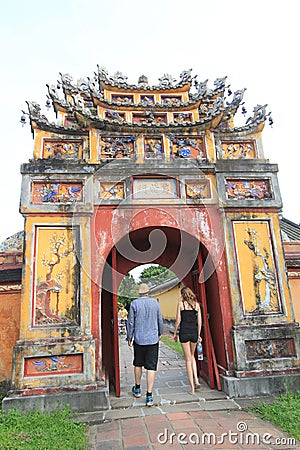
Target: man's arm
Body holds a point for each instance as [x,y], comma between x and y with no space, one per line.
[160,323]
[130,325]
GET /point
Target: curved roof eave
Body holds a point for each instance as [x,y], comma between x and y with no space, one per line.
[96,122]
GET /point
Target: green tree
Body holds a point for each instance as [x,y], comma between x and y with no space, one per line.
[154,275]
[128,291]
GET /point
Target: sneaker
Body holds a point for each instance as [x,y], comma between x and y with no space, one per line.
[136,391]
[149,400]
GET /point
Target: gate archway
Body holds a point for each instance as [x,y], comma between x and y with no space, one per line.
[186,264]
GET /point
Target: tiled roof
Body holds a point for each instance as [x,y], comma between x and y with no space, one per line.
[13,243]
[290,231]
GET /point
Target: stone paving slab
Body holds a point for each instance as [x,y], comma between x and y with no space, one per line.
[130,425]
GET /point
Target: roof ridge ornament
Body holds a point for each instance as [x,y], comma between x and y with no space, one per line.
[219,83]
[185,76]
[143,82]
[166,81]
[259,115]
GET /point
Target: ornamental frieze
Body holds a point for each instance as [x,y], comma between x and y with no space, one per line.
[53,365]
[270,348]
[199,189]
[111,190]
[153,147]
[117,146]
[56,192]
[248,189]
[66,149]
[187,146]
[119,98]
[238,150]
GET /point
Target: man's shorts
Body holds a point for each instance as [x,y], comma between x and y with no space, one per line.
[145,356]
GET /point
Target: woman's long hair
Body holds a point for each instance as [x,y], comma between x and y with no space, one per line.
[188,296]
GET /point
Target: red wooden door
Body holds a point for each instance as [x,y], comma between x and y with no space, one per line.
[208,369]
[109,325]
[114,327]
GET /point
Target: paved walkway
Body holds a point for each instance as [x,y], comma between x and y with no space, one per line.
[178,420]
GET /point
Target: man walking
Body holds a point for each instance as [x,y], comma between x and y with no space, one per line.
[144,328]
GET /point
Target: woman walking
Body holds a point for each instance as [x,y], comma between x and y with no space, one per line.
[189,319]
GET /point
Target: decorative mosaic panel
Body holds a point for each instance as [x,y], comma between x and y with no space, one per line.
[122,98]
[187,146]
[248,189]
[66,149]
[59,192]
[147,99]
[256,266]
[155,188]
[238,150]
[270,348]
[112,191]
[53,365]
[182,117]
[171,100]
[117,146]
[56,276]
[153,147]
[197,189]
[114,115]
[149,118]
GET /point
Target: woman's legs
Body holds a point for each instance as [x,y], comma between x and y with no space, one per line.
[194,364]
[190,362]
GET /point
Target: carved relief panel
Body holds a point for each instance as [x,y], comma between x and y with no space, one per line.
[56,277]
[116,147]
[257,268]
[155,188]
[238,150]
[187,146]
[152,118]
[56,192]
[111,190]
[66,149]
[270,348]
[153,147]
[198,189]
[248,189]
[53,365]
[119,98]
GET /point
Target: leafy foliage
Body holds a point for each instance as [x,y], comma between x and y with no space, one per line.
[41,430]
[128,291]
[284,412]
[154,275]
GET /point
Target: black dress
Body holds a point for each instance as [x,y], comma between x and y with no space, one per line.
[188,325]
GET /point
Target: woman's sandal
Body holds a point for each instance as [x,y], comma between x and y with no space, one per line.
[197,386]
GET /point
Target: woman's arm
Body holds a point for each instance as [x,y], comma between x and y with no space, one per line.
[199,321]
[177,320]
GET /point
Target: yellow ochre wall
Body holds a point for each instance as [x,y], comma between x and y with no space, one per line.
[9,330]
[168,302]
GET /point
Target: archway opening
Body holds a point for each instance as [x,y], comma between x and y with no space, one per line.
[178,251]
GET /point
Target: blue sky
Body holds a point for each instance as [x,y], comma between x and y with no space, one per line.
[254,43]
